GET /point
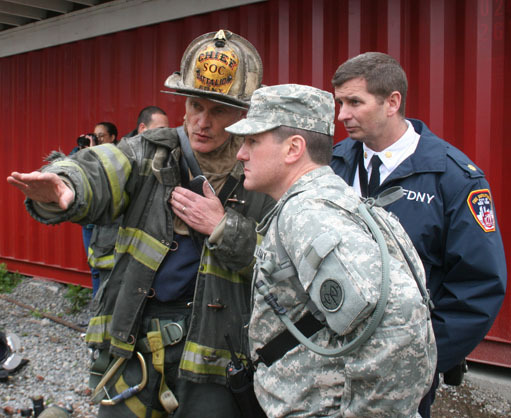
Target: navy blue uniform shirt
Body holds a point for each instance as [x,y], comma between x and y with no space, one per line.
[448,212]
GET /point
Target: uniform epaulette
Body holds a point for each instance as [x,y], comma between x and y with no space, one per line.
[461,160]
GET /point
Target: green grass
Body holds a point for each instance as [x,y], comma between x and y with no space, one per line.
[78,296]
[8,280]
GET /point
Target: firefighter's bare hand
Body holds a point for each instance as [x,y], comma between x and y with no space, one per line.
[43,187]
[202,214]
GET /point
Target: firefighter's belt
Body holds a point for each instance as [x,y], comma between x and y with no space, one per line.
[172,333]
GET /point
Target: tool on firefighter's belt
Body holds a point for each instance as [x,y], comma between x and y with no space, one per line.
[128,393]
[240,382]
[97,395]
[125,394]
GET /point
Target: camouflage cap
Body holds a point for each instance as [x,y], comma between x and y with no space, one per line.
[292,105]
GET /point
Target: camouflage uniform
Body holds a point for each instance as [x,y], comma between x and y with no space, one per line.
[387,375]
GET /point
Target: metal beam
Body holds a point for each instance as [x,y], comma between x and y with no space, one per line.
[114,16]
[85,2]
[13,20]
[59,6]
[23,11]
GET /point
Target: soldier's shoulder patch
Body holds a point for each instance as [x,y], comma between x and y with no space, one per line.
[332,295]
[481,205]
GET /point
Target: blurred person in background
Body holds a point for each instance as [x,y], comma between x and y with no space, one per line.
[150,117]
[106,133]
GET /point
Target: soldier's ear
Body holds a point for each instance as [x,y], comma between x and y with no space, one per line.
[296,148]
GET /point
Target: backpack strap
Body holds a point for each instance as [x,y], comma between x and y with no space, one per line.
[386,198]
[276,272]
[188,161]
[285,341]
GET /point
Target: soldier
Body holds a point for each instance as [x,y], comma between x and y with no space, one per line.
[181,276]
[319,261]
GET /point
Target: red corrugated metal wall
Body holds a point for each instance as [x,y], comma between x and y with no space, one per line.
[455,53]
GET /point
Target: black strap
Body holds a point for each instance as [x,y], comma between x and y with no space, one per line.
[227,189]
[285,341]
[374,182]
[188,160]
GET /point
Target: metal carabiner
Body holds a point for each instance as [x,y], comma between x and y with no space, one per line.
[127,393]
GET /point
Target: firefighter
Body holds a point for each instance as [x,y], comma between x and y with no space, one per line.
[182,267]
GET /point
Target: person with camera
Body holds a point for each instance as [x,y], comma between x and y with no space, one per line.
[85,141]
[106,133]
[182,270]
[99,241]
[102,238]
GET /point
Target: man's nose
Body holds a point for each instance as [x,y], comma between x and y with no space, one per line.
[242,155]
[204,120]
[344,114]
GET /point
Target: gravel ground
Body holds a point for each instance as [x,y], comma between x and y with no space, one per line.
[59,360]
[57,354]
[468,400]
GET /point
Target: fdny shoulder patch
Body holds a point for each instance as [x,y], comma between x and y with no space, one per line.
[481,205]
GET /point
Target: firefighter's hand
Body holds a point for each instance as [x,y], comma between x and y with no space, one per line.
[202,214]
[43,187]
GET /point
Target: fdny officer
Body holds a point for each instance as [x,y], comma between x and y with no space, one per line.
[181,275]
[447,207]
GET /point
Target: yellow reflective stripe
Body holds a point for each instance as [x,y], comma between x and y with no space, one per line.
[118,169]
[97,329]
[105,262]
[217,271]
[193,359]
[122,345]
[86,187]
[97,332]
[141,246]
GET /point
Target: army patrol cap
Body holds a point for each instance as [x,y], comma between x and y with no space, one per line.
[219,66]
[292,105]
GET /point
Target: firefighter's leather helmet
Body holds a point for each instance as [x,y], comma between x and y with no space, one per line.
[220,66]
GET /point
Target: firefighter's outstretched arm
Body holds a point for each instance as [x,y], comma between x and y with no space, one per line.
[43,187]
